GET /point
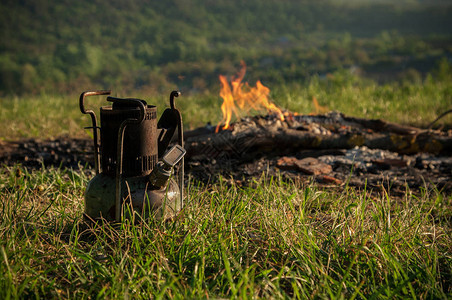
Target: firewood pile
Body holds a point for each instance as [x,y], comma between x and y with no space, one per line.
[332,150]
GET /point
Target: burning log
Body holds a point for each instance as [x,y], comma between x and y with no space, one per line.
[284,132]
[270,135]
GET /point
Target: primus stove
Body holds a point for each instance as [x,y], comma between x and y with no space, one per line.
[134,167]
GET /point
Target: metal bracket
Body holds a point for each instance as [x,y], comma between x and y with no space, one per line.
[94,121]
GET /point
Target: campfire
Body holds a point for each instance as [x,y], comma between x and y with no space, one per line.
[241,98]
[324,147]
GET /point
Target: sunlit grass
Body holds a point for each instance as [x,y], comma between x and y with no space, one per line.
[415,104]
[407,103]
[270,238]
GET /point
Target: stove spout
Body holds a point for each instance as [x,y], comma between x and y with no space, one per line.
[162,171]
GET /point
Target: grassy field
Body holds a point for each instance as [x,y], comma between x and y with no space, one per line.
[271,239]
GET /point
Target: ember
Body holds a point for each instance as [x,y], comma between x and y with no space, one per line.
[241,96]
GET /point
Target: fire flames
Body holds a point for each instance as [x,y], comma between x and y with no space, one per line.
[240,97]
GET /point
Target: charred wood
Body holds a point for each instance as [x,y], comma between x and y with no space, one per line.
[323,132]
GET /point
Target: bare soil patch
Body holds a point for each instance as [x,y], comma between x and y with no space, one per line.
[332,150]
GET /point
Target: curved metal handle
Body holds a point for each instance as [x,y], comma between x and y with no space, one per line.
[172,95]
[94,121]
[138,102]
[90,93]
[120,145]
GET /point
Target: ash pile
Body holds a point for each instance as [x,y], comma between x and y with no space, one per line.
[332,149]
[63,152]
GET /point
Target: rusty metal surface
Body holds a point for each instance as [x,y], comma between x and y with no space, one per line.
[140,138]
[138,120]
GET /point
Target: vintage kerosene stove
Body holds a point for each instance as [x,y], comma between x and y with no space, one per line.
[135,171]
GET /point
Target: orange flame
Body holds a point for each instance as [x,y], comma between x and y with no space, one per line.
[317,107]
[250,98]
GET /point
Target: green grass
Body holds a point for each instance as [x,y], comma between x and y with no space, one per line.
[416,103]
[269,239]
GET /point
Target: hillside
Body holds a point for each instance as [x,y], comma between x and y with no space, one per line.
[156,45]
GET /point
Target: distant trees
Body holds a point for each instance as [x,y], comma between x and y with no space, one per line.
[187,43]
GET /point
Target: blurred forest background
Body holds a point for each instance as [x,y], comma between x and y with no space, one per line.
[64,47]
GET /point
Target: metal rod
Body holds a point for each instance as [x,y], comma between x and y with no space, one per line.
[94,121]
[120,145]
[180,137]
[172,95]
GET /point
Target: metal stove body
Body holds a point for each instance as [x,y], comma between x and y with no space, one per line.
[134,167]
